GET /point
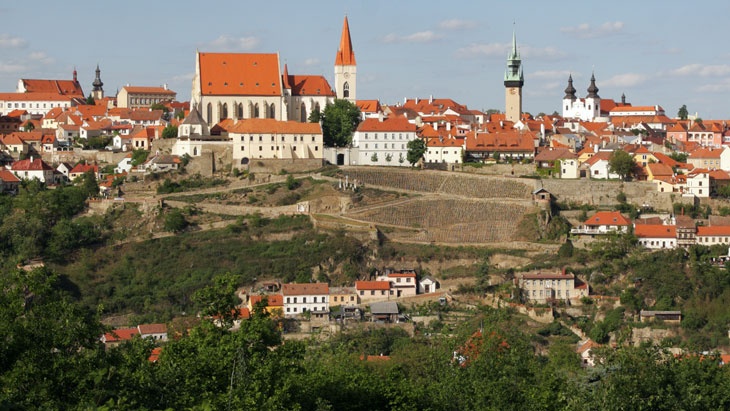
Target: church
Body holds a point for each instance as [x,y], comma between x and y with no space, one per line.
[585,109]
[253,85]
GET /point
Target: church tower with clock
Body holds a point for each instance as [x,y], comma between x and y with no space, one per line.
[345,67]
[513,81]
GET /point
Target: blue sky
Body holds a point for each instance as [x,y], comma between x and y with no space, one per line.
[654,52]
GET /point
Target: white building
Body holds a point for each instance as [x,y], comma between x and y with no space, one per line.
[656,236]
[585,109]
[383,141]
[307,297]
[542,287]
[444,150]
[698,183]
[272,139]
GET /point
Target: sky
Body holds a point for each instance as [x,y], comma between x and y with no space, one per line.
[656,53]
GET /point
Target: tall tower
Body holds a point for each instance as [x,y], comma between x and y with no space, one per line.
[593,100]
[513,81]
[345,67]
[97,92]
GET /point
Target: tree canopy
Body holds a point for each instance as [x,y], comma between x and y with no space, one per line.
[621,163]
[339,122]
[683,113]
[416,150]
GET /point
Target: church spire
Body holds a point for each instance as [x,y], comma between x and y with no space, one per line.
[570,90]
[513,74]
[97,81]
[592,89]
[345,55]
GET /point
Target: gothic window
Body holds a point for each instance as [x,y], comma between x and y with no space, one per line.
[346,90]
[303,113]
[239,110]
[224,111]
[316,107]
[256,110]
[272,111]
[209,113]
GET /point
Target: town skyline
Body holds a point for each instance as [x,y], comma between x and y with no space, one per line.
[458,54]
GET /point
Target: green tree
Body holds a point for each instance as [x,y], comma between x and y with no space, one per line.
[139,157]
[28,126]
[315,116]
[219,299]
[621,163]
[339,122]
[165,110]
[175,221]
[374,158]
[89,184]
[683,113]
[416,150]
[90,100]
[169,131]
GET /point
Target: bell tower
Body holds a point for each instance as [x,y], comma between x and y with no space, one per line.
[513,81]
[345,67]
[98,91]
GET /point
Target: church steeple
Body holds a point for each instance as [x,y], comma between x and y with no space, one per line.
[345,66]
[570,90]
[513,81]
[97,92]
[592,89]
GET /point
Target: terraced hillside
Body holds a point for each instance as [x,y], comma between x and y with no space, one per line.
[451,207]
[444,183]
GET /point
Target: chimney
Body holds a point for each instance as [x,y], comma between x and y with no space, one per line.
[31,159]
[164,86]
[380,117]
[430,99]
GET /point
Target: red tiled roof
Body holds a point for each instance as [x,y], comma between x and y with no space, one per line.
[152,328]
[275,300]
[388,124]
[607,218]
[659,169]
[34,97]
[655,231]
[155,354]
[7,176]
[67,87]
[554,154]
[368,106]
[501,141]
[253,74]
[121,334]
[718,230]
[305,289]
[35,164]
[83,168]
[306,85]
[705,153]
[372,285]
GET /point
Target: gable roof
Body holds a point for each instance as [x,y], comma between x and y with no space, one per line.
[368,106]
[387,124]
[554,154]
[655,231]
[501,141]
[7,177]
[30,164]
[309,85]
[65,87]
[240,74]
[305,289]
[121,334]
[607,218]
[372,285]
[270,125]
[152,328]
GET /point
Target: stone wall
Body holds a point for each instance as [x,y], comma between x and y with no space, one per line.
[602,193]
[272,166]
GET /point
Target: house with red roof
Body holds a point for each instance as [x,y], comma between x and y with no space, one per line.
[306,297]
[14,145]
[9,182]
[403,283]
[31,168]
[713,235]
[656,236]
[80,169]
[597,166]
[517,145]
[274,303]
[372,290]
[541,287]
[383,141]
[603,222]
[448,150]
[710,158]
[269,138]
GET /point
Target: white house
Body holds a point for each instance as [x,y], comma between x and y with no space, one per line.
[268,138]
[383,141]
[125,165]
[698,183]
[444,150]
[541,287]
[656,236]
[428,285]
[307,297]
[603,222]
[569,168]
[157,332]
[31,168]
[596,167]
[403,283]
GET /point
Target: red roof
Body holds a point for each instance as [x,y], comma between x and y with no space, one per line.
[718,230]
[270,125]
[310,86]
[8,177]
[148,90]
[655,231]
[305,289]
[35,164]
[121,334]
[275,300]
[152,328]
[368,106]
[345,55]
[372,285]
[83,168]
[508,141]
[388,124]
[240,74]
[67,87]
[607,218]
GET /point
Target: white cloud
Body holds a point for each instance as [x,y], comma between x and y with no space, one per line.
[419,37]
[311,62]
[721,86]
[40,57]
[229,43]
[456,24]
[701,70]
[625,80]
[554,74]
[9,42]
[585,31]
[12,68]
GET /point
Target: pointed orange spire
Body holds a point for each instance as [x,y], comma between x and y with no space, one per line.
[345,55]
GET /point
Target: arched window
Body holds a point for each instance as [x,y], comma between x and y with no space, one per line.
[209,113]
[250,110]
[303,113]
[224,111]
[272,111]
[239,111]
[346,90]
[316,108]
[256,110]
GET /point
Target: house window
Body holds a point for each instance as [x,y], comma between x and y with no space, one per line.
[295,300]
[288,309]
[304,300]
[243,148]
[362,292]
[372,292]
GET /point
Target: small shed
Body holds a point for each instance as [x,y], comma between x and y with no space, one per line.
[674,317]
[384,311]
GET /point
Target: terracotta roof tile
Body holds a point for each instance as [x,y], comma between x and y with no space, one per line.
[240,74]
[388,124]
[655,231]
[307,85]
[270,125]
[372,285]
[305,289]
[607,218]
